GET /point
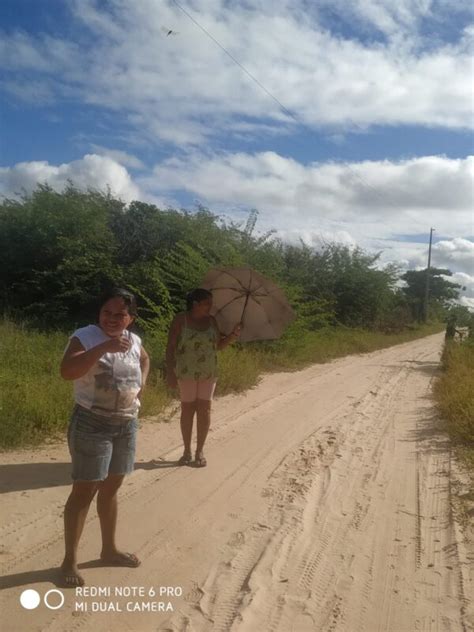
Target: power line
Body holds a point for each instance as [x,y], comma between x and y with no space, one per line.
[283,107]
[236,61]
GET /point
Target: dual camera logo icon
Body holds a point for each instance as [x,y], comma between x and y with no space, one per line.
[30,599]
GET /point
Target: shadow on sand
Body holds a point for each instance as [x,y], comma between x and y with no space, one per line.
[18,477]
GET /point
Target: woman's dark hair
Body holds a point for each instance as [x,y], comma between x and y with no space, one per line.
[118,292]
[196,296]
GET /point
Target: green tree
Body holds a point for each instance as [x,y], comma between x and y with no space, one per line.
[57,252]
[441,291]
[60,250]
[143,231]
[461,315]
[347,281]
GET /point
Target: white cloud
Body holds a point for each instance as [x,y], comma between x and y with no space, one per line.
[183,89]
[371,204]
[397,20]
[455,252]
[463,279]
[316,238]
[466,281]
[92,171]
[467,302]
[378,198]
[37,92]
[19,51]
[459,255]
[122,157]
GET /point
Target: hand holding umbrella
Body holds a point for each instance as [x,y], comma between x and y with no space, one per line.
[229,338]
[237,330]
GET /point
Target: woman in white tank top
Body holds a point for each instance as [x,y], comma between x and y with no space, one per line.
[109,367]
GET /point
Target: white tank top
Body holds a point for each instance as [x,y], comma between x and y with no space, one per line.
[111,386]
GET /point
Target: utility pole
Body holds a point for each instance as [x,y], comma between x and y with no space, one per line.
[427,283]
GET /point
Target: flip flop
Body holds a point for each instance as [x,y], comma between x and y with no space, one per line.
[200,461]
[185,459]
[70,579]
[122,559]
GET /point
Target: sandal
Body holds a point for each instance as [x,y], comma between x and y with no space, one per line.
[185,459]
[200,460]
[121,559]
[71,578]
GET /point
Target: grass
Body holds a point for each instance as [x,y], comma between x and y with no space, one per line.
[301,348]
[454,392]
[35,403]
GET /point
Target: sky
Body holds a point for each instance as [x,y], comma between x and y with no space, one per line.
[338,120]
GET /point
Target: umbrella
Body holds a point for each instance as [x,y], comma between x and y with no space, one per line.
[241,295]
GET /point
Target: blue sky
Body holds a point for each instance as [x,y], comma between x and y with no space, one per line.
[373,144]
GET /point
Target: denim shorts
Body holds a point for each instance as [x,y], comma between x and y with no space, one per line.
[98,447]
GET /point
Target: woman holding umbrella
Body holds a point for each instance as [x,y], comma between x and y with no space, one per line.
[191,364]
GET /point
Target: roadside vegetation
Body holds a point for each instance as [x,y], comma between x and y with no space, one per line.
[59,251]
[454,392]
[36,403]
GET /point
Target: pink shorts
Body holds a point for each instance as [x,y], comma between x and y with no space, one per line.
[191,390]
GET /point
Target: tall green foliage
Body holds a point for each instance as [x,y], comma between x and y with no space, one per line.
[342,285]
[441,291]
[57,252]
[60,250]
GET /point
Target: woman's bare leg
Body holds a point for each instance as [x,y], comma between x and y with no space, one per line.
[75,514]
[107,508]
[203,413]
[187,416]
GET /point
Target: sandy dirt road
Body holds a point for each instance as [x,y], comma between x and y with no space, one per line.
[325,507]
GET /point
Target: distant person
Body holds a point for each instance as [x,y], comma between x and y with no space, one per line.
[191,363]
[109,367]
[470,328]
[451,330]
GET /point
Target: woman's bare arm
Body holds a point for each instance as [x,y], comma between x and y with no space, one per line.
[223,340]
[145,369]
[144,365]
[77,361]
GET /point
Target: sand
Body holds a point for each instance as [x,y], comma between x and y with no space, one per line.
[327,505]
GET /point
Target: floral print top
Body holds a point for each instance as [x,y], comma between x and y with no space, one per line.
[196,354]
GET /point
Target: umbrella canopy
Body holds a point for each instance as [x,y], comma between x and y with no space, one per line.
[241,295]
